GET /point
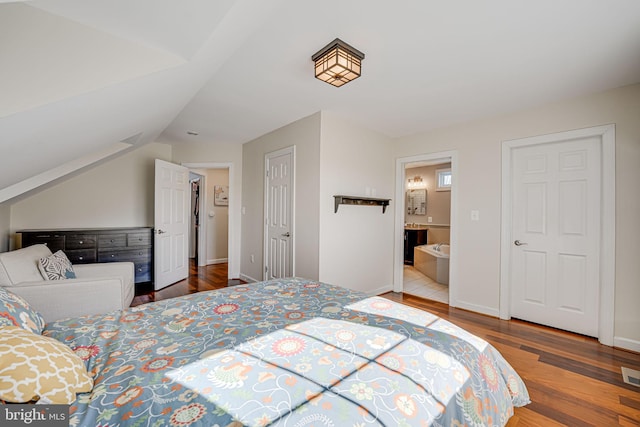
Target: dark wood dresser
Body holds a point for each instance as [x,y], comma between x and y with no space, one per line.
[85,245]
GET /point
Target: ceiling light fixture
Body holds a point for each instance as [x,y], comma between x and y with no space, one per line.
[338,63]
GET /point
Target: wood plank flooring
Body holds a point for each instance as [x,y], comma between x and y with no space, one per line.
[207,278]
[572,380]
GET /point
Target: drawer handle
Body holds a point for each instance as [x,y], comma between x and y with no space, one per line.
[140,269]
[113,256]
[81,242]
[140,239]
[111,241]
[80,258]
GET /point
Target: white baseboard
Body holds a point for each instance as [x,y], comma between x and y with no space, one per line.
[381,290]
[626,344]
[249,279]
[493,312]
[217,261]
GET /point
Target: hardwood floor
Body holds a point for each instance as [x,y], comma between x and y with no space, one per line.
[572,380]
[206,278]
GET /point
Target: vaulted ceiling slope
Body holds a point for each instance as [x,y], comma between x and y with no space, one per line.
[82,80]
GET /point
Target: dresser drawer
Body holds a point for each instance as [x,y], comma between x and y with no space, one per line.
[80,241]
[112,241]
[142,271]
[81,256]
[138,239]
[54,242]
[132,255]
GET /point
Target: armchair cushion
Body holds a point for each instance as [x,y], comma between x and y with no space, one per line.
[21,266]
[15,311]
[56,267]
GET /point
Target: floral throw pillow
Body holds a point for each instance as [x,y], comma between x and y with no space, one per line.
[15,311]
[56,267]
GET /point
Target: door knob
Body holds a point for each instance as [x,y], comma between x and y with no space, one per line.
[161,231]
[519,243]
[287,234]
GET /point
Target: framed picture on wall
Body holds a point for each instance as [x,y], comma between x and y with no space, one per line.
[221,195]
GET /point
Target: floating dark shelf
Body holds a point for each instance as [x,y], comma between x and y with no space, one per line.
[362,201]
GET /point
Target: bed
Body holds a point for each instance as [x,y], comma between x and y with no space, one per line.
[288,352]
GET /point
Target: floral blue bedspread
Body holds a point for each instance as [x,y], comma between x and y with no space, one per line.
[289,352]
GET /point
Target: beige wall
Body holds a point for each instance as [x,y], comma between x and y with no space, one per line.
[118,193]
[206,153]
[356,243]
[218,224]
[304,134]
[438,202]
[5,226]
[479,179]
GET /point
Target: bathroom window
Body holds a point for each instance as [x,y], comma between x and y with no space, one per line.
[443,179]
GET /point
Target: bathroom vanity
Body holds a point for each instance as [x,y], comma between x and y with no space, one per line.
[413,236]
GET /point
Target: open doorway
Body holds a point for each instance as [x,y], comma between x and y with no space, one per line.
[425,227]
[209,228]
[427,218]
[195,181]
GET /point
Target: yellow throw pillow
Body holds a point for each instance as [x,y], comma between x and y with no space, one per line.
[34,367]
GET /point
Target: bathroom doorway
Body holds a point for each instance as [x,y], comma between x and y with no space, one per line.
[425,226]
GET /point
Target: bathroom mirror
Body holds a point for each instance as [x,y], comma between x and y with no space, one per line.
[417,202]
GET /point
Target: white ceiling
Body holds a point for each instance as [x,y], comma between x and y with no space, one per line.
[428,63]
[83,75]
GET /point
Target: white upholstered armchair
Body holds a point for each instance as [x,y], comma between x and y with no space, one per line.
[97,288]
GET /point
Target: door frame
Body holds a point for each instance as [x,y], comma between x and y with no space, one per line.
[398,270]
[233,269]
[606,133]
[265,239]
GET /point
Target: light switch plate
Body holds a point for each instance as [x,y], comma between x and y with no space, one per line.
[475,215]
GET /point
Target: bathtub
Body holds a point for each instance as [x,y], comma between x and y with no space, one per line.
[432,262]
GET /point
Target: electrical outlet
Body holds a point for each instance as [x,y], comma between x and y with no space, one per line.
[429,219]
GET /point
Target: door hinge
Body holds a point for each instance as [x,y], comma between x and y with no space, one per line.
[267,173]
[266,269]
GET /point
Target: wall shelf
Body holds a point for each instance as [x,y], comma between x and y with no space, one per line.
[360,201]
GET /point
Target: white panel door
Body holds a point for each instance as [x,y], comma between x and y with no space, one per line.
[172,220]
[279,214]
[555,272]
